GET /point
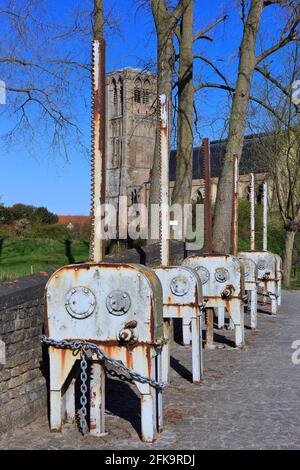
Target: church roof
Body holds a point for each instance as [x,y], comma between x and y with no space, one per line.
[250,161]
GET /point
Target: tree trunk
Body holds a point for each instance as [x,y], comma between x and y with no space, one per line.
[165,53]
[287,258]
[237,124]
[165,24]
[98,19]
[184,155]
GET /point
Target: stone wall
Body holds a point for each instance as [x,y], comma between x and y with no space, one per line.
[23,393]
[23,375]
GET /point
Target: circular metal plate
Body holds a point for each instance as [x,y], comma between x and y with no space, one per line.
[180,285]
[80,302]
[261,264]
[221,275]
[203,274]
[118,302]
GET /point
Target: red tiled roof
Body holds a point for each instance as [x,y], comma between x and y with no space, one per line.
[74,219]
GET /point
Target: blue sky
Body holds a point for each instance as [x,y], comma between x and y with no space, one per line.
[29,175]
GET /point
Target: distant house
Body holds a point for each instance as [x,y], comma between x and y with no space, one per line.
[72,221]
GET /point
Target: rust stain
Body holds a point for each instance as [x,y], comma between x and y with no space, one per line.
[129,359]
[149,361]
[152,320]
[63,354]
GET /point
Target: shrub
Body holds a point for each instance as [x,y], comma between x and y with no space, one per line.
[21,227]
[54,232]
[5,231]
[41,215]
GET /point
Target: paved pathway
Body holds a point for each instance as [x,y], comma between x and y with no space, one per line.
[249,399]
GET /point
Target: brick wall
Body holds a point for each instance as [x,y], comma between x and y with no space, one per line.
[23,390]
[23,393]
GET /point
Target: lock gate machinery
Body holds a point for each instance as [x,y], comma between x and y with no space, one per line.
[111,314]
[182,298]
[221,275]
[118,308]
[222,282]
[182,293]
[269,265]
[251,285]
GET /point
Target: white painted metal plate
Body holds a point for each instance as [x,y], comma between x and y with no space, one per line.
[217,271]
[90,286]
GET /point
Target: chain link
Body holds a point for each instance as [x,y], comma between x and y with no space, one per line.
[89,346]
[83,390]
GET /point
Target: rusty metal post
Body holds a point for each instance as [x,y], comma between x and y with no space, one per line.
[252,213]
[97,400]
[234,226]
[207,198]
[98,148]
[265,219]
[164,182]
[209,328]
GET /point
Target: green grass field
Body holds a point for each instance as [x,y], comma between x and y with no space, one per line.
[23,256]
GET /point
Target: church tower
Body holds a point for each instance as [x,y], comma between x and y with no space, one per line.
[130,132]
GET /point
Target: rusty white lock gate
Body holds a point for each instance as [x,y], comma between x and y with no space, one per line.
[182,293]
[107,316]
[221,275]
[119,310]
[251,286]
[269,265]
[223,288]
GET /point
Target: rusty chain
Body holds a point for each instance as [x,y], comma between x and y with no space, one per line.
[88,347]
[81,345]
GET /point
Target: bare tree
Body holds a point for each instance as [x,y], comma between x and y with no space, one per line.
[279,146]
[166,21]
[248,62]
[185,112]
[184,152]
[45,64]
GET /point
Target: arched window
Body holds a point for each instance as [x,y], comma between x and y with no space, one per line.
[259,193]
[138,90]
[120,86]
[199,197]
[248,192]
[146,92]
[115,96]
[134,196]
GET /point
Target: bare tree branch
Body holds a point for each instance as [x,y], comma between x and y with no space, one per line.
[202,34]
[214,67]
[284,40]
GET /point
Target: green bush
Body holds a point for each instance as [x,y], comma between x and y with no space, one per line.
[80,232]
[53,232]
[5,215]
[5,231]
[39,215]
